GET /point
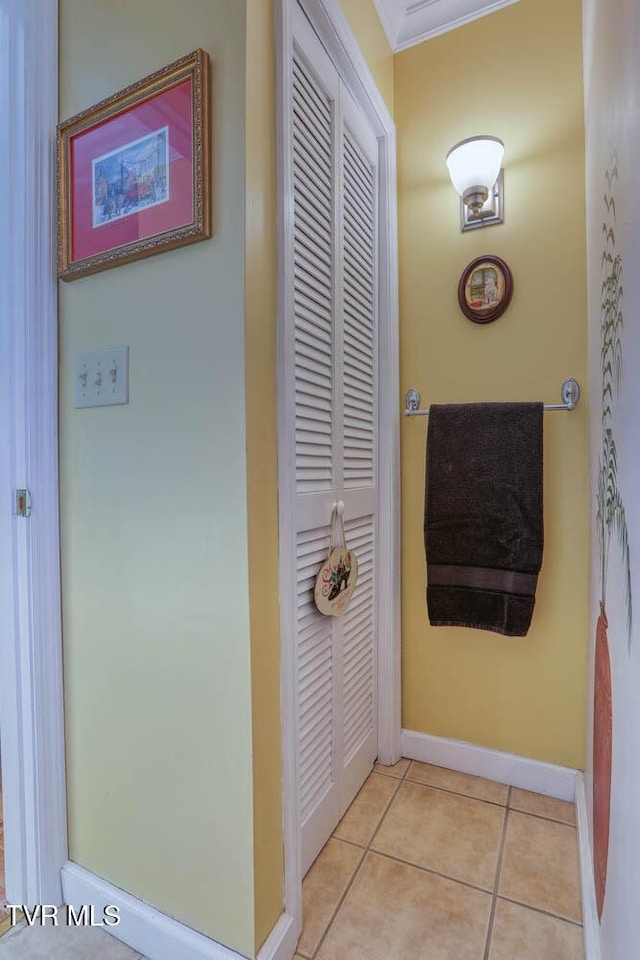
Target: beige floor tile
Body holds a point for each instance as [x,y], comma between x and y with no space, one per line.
[397,770]
[526,935]
[5,924]
[322,888]
[476,787]
[363,816]
[62,943]
[540,865]
[542,806]
[397,912]
[452,835]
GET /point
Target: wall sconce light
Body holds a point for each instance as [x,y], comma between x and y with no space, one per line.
[475,169]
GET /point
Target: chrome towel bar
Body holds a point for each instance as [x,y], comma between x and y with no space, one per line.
[570,399]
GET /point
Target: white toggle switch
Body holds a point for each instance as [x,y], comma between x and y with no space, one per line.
[102,378]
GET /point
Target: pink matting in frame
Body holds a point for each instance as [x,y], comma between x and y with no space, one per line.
[117,171]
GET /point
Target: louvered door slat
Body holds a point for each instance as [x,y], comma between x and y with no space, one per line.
[359,316]
[315,392]
[358,312]
[313,269]
[310,286]
[310,346]
[359,273]
[315,98]
[361,186]
[358,166]
[359,328]
[317,145]
[314,259]
[308,235]
[315,675]
[311,212]
[360,195]
[359,643]
[309,317]
[356,224]
[360,396]
[307,163]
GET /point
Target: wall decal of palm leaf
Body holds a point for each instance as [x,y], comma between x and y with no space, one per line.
[610,514]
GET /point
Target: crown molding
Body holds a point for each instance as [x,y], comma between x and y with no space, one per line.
[408,22]
[391,14]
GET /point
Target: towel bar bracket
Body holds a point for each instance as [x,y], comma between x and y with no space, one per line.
[412,400]
[570,398]
[570,393]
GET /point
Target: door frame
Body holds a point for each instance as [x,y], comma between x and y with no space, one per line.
[330,24]
[31,693]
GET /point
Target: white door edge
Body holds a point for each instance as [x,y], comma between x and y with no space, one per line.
[330,24]
[31,697]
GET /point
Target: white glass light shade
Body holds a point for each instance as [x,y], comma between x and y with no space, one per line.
[475,162]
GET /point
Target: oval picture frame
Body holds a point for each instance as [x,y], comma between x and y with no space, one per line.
[485,289]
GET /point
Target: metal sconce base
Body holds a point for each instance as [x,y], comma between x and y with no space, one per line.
[492,212]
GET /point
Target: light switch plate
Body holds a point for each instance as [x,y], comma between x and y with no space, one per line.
[102,378]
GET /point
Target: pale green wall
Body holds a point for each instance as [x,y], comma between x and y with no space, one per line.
[154,515]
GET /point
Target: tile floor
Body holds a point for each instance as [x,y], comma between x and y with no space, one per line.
[62,943]
[428,864]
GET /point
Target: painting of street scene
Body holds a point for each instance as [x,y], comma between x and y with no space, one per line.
[132,178]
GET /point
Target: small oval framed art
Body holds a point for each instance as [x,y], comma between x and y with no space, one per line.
[485,289]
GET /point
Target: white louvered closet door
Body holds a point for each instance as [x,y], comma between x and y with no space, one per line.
[334,321]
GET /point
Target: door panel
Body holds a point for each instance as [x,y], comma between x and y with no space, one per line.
[334,250]
[357,324]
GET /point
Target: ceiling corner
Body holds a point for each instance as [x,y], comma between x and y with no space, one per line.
[391,14]
[408,22]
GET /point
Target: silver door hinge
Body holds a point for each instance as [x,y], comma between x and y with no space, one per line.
[23,503]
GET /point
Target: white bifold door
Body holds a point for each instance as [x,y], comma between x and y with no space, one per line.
[332,333]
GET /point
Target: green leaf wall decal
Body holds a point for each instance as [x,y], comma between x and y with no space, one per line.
[610,512]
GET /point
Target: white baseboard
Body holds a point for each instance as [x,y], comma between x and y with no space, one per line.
[154,934]
[522,772]
[592,948]
[282,941]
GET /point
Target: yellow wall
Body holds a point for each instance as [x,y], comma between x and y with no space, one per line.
[262,464]
[369,32]
[516,74]
[154,515]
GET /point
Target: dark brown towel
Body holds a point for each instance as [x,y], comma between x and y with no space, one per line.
[483,515]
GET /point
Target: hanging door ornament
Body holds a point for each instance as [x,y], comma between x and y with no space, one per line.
[338,575]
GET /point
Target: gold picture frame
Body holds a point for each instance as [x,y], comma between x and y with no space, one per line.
[134,171]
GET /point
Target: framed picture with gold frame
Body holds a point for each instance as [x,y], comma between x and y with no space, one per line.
[134,171]
[485,289]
